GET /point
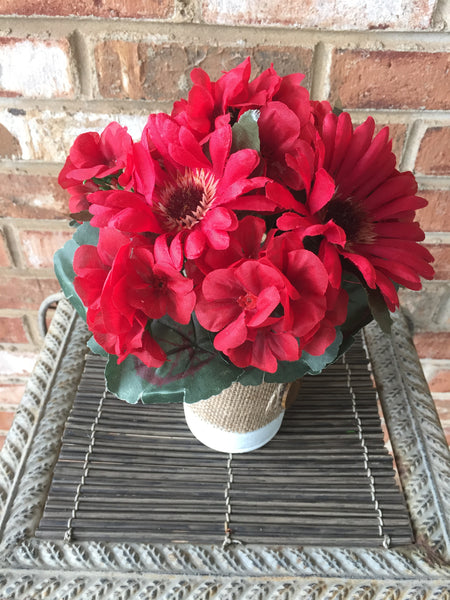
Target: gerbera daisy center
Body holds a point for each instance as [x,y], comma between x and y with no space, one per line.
[186,200]
[351,216]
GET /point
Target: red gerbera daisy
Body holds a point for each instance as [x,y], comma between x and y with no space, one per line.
[362,207]
[188,194]
[194,190]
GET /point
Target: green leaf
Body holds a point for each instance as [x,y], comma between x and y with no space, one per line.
[379,310]
[194,370]
[338,107]
[63,260]
[86,234]
[96,348]
[128,381]
[358,311]
[364,305]
[246,132]
[63,264]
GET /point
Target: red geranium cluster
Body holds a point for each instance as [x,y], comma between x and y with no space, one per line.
[245,206]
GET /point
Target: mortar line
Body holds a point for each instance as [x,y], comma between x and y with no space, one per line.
[321,69]
[82,62]
[31,330]
[135,108]
[411,146]
[437,237]
[13,245]
[197,33]
[433,182]
[46,225]
[30,273]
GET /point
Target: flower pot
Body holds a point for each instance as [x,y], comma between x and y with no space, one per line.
[240,418]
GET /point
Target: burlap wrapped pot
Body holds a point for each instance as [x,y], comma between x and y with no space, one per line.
[240,418]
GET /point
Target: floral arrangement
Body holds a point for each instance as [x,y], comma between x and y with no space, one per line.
[246,237]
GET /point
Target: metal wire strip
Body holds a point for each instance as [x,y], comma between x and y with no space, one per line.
[228,531]
[85,471]
[370,477]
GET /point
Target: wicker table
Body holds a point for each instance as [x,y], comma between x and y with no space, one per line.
[37,567]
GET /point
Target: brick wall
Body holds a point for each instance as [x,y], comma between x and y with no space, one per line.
[68,67]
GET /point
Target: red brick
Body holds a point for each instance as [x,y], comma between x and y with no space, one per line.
[54,131]
[12,331]
[428,305]
[440,384]
[16,366]
[25,293]
[32,196]
[2,441]
[35,68]
[39,247]
[435,216]
[11,394]
[137,9]
[441,265]
[120,67]
[161,72]
[443,408]
[6,419]
[391,79]
[324,14]
[433,345]
[4,254]
[434,156]
[9,145]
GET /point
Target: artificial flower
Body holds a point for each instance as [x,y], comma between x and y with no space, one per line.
[194,190]
[245,225]
[97,156]
[362,208]
[117,325]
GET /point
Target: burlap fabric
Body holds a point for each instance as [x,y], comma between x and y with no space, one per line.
[242,408]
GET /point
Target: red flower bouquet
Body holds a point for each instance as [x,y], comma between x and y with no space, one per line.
[246,237]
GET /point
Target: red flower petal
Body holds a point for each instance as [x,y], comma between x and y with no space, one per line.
[344,132]
[329,256]
[125,211]
[195,243]
[398,185]
[322,191]
[359,144]
[279,128]
[397,230]
[281,196]
[233,335]
[364,266]
[396,208]
[216,224]
[267,301]
[219,148]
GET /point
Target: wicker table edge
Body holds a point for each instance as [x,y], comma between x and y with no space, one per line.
[31,566]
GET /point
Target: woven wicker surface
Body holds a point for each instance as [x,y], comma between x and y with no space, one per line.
[326,477]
